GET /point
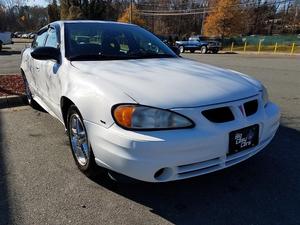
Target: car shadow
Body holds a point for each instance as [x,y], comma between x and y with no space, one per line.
[5,212]
[4,52]
[209,53]
[225,53]
[261,190]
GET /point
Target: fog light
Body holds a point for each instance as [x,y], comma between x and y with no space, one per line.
[163,174]
[159,173]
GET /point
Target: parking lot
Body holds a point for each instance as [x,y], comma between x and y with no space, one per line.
[39,182]
[10,58]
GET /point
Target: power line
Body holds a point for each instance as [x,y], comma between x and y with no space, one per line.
[169,14]
[197,10]
[213,7]
[204,2]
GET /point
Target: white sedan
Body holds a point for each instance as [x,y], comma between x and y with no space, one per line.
[133,107]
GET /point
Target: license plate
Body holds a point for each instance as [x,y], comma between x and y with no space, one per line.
[243,139]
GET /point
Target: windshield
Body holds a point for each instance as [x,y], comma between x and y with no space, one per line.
[112,41]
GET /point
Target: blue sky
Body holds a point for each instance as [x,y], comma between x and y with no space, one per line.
[37,2]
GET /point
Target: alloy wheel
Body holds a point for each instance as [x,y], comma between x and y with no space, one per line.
[79,142]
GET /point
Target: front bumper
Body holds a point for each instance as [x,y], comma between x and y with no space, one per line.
[213,48]
[182,153]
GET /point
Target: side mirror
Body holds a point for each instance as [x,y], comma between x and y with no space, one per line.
[46,53]
[175,49]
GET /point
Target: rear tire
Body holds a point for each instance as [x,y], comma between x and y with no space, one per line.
[203,49]
[81,149]
[192,51]
[0,46]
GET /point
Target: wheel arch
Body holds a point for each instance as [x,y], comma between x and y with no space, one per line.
[65,104]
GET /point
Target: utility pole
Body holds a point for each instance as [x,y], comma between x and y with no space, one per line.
[130,13]
[297,2]
[153,31]
[204,5]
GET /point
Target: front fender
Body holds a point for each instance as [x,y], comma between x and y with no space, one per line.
[93,97]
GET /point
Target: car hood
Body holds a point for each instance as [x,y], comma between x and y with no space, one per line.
[171,82]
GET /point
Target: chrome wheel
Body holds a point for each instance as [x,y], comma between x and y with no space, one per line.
[78,138]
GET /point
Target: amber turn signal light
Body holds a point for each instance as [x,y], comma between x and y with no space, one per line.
[123,115]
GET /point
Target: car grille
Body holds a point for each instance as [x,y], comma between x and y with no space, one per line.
[251,107]
[218,115]
[224,114]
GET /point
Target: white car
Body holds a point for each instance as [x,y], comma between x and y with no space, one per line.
[133,107]
[26,35]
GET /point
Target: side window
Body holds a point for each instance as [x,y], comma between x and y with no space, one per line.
[123,42]
[52,38]
[40,40]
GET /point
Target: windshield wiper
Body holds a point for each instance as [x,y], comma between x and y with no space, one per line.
[147,55]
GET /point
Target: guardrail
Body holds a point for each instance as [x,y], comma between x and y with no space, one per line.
[260,47]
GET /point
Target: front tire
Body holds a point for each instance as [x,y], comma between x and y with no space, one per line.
[81,149]
[30,100]
[181,49]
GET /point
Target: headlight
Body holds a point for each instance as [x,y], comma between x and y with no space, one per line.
[265,95]
[139,117]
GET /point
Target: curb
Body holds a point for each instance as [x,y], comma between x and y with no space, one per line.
[12,101]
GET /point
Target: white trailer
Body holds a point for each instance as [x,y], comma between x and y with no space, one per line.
[5,39]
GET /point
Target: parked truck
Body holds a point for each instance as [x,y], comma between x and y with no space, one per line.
[5,39]
[199,43]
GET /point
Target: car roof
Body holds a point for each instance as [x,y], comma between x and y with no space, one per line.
[92,21]
[61,22]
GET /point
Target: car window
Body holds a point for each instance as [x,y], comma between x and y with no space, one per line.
[40,40]
[52,38]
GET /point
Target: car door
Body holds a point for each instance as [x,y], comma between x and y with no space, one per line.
[35,65]
[192,44]
[52,84]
